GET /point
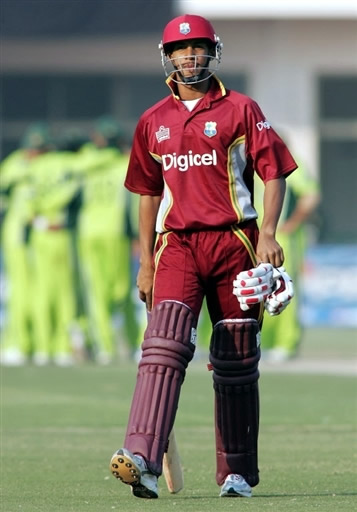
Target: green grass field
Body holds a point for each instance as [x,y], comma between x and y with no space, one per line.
[61,426]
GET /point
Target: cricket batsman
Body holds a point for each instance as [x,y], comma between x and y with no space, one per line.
[194,158]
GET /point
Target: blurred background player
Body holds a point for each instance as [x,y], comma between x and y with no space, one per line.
[281,334]
[71,144]
[16,216]
[56,184]
[104,244]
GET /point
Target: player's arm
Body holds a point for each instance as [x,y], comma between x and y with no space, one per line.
[268,250]
[148,208]
[305,206]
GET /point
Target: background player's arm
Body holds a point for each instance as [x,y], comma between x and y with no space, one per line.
[148,208]
[305,206]
[268,250]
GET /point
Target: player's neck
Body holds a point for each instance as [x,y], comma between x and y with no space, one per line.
[193,91]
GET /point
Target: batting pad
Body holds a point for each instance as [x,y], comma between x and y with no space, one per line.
[234,356]
[167,349]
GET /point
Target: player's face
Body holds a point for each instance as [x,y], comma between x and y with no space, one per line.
[190,57]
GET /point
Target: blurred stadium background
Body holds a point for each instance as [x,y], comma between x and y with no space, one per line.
[67,63]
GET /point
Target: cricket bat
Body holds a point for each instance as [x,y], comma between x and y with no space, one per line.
[172,466]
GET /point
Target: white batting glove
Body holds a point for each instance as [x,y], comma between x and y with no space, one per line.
[254,285]
[283,292]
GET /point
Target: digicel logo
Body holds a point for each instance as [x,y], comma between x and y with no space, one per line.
[184,162]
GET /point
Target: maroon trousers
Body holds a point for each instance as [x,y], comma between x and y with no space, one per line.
[189,266]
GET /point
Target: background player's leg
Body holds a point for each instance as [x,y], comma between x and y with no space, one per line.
[281,335]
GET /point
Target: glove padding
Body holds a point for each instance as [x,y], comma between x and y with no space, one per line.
[283,292]
[254,285]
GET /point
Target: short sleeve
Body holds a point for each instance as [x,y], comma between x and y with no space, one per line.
[270,155]
[144,174]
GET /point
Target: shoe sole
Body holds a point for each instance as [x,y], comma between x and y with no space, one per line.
[123,468]
[231,493]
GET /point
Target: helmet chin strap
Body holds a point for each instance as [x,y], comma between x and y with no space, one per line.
[193,79]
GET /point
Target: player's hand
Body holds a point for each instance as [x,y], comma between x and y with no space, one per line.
[144,283]
[269,250]
[283,292]
[254,285]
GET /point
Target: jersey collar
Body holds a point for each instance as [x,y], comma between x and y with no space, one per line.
[215,92]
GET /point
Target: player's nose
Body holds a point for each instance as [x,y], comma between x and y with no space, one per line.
[189,51]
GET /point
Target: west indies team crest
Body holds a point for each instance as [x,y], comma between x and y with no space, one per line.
[185,28]
[210,129]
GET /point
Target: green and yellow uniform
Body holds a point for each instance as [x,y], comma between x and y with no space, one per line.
[16,197]
[56,183]
[282,333]
[104,246]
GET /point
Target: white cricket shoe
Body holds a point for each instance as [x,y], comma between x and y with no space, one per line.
[132,470]
[235,487]
[12,357]
[40,359]
[63,360]
[276,355]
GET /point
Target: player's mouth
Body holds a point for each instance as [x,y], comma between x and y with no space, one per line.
[190,68]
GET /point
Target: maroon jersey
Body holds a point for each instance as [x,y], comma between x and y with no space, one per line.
[202,162]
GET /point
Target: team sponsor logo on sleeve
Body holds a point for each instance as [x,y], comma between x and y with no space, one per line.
[185,28]
[263,124]
[162,134]
[210,129]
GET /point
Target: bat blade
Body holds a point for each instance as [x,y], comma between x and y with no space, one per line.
[172,468]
